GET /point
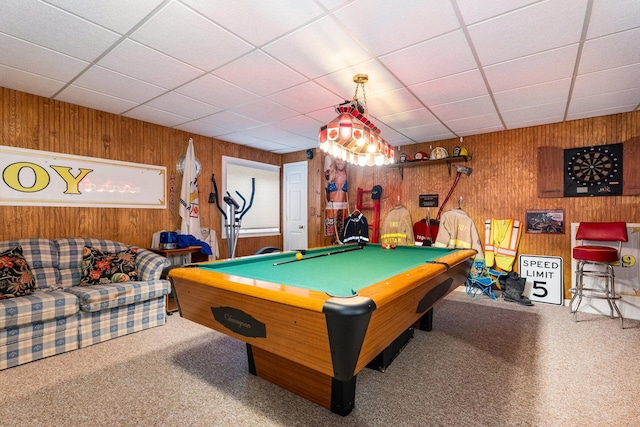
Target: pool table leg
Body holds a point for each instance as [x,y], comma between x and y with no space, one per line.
[336,395]
[426,321]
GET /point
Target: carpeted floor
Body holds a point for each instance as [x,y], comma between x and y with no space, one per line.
[485,363]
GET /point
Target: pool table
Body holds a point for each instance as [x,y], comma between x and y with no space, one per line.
[312,324]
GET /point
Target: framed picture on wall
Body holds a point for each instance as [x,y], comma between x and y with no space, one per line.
[545,221]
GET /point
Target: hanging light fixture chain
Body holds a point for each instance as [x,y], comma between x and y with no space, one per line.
[360,80]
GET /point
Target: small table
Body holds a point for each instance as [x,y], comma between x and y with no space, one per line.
[311,325]
[175,256]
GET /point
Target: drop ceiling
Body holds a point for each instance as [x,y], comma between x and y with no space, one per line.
[268,74]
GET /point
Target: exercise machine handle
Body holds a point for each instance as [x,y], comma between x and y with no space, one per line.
[244,203]
[215,192]
[253,192]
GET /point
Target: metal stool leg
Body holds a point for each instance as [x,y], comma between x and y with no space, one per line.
[608,292]
[613,297]
[577,292]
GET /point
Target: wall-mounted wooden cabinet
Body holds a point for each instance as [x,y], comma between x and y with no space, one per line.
[551,170]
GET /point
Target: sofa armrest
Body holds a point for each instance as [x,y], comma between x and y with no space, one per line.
[150,264]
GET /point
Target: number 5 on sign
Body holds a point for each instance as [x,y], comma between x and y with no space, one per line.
[544,278]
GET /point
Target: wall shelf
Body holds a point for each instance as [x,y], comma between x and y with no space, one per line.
[422,163]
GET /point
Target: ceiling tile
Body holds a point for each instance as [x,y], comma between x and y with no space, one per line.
[215,91]
[201,127]
[472,107]
[451,88]
[25,56]
[542,26]
[533,69]
[535,115]
[98,101]
[323,115]
[28,82]
[183,34]
[626,98]
[611,51]
[250,63]
[392,102]
[478,10]
[153,115]
[341,82]
[530,96]
[102,80]
[260,74]
[391,135]
[443,56]
[117,15]
[612,80]
[319,48]
[257,24]
[300,125]
[427,132]
[601,112]
[244,139]
[268,145]
[268,132]
[301,142]
[376,23]
[48,26]
[264,110]
[306,97]
[230,120]
[475,125]
[333,4]
[135,60]
[611,16]
[407,118]
[182,105]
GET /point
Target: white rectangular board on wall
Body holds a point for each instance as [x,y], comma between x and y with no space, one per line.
[627,274]
[43,178]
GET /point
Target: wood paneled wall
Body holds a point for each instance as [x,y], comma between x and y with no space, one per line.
[38,123]
[503,183]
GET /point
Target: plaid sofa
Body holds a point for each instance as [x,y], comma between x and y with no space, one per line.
[61,315]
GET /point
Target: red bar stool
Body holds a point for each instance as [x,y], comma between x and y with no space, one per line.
[602,258]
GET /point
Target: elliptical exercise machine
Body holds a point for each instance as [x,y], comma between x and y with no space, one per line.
[233,214]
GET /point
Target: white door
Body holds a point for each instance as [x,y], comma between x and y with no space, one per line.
[295,206]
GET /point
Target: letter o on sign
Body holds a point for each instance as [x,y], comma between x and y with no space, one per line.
[11,176]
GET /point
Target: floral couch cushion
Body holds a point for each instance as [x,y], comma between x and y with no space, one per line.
[16,277]
[70,252]
[42,257]
[99,266]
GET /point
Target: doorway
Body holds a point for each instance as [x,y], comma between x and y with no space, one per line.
[295,206]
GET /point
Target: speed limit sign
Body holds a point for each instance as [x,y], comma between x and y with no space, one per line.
[544,278]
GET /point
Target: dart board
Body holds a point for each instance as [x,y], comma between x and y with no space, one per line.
[593,171]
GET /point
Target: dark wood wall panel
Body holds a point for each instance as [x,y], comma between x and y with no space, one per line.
[503,184]
[33,122]
[504,181]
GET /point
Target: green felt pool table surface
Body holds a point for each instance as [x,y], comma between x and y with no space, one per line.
[336,270]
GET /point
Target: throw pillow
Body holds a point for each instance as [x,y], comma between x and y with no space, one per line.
[100,267]
[16,277]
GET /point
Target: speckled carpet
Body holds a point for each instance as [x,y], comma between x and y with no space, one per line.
[485,363]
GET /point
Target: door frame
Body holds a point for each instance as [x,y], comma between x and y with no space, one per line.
[286,201]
